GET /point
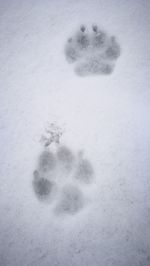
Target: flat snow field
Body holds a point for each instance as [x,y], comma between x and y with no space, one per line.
[103,117]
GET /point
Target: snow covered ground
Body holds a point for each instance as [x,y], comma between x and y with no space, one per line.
[105,116]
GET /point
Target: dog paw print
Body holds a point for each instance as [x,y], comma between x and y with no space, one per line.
[60,178]
[92,53]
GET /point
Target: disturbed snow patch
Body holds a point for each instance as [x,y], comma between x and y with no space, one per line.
[60,177]
[92,53]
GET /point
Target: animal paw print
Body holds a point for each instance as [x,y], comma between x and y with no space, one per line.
[60,179]
[92,53]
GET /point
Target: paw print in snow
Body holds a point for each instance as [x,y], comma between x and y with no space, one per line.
[92,53]
[60,178]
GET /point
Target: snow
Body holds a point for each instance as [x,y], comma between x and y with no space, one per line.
[105,116]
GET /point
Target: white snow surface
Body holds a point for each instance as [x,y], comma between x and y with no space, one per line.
[105,116]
